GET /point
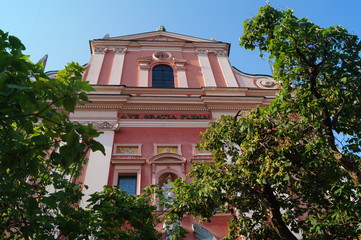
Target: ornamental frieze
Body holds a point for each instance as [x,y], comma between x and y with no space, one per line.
[165,116]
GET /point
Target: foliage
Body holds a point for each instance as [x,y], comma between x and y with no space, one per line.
[42,151]
[319,70]
[114,208]
[278,170]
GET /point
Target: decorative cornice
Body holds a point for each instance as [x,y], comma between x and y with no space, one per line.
[144,63]
[138,108]
[101,125]
[217,52]
[90,106]
[164,109]
[164,123]
[180,63]
[167,158]
[129,161]
[104,49]
[231,108]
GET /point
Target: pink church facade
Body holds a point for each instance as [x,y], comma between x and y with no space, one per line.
[155,93]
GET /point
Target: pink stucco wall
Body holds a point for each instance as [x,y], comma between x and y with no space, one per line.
[150,136]
[130,73]
[194,72]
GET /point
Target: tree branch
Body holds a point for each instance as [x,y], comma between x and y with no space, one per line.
[350,166]
[276,217]
[33,114]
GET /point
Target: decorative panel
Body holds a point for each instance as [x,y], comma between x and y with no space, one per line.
[197,151]
[167,148]
[127,150]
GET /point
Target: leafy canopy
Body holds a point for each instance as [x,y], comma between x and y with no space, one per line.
[279,169]
[42,152]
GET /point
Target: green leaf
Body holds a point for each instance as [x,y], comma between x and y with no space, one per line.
[69,104]
[17,86]
[16,43]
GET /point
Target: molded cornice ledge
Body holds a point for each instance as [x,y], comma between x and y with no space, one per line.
[101,125]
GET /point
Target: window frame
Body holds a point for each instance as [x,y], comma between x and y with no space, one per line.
[163,82]
[128,170]
[133,177]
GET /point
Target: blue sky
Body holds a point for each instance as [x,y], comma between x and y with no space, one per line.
[63,28]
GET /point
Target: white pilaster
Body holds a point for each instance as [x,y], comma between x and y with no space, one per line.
[143,77]
[117,67]
[96,63]
[226,68]
[180,65]
[182,78]
[98,167]
[208,77]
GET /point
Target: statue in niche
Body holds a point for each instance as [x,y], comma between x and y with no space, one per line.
[169,196]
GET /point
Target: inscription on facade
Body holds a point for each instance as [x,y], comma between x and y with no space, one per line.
[165,116]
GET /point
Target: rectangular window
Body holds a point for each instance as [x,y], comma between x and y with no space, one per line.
[128,184]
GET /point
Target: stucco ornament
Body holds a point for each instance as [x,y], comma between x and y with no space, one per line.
[161,55]
[266,83]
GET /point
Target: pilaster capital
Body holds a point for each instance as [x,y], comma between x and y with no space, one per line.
[119,50]
[202,52]
[100,50]
[102,125]
[220,52]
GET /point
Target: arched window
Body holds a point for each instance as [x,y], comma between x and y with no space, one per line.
[162,77]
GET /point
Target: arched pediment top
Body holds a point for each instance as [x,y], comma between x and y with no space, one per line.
[167,158]
[154,59]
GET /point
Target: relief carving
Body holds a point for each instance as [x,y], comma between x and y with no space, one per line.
[101,125]
[202,52]
[220,52]
[100,49]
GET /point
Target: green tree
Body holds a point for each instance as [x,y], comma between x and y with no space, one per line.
[115,214]
[41,150]
[279,169]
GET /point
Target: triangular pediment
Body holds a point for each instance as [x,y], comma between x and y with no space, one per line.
[160,36]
